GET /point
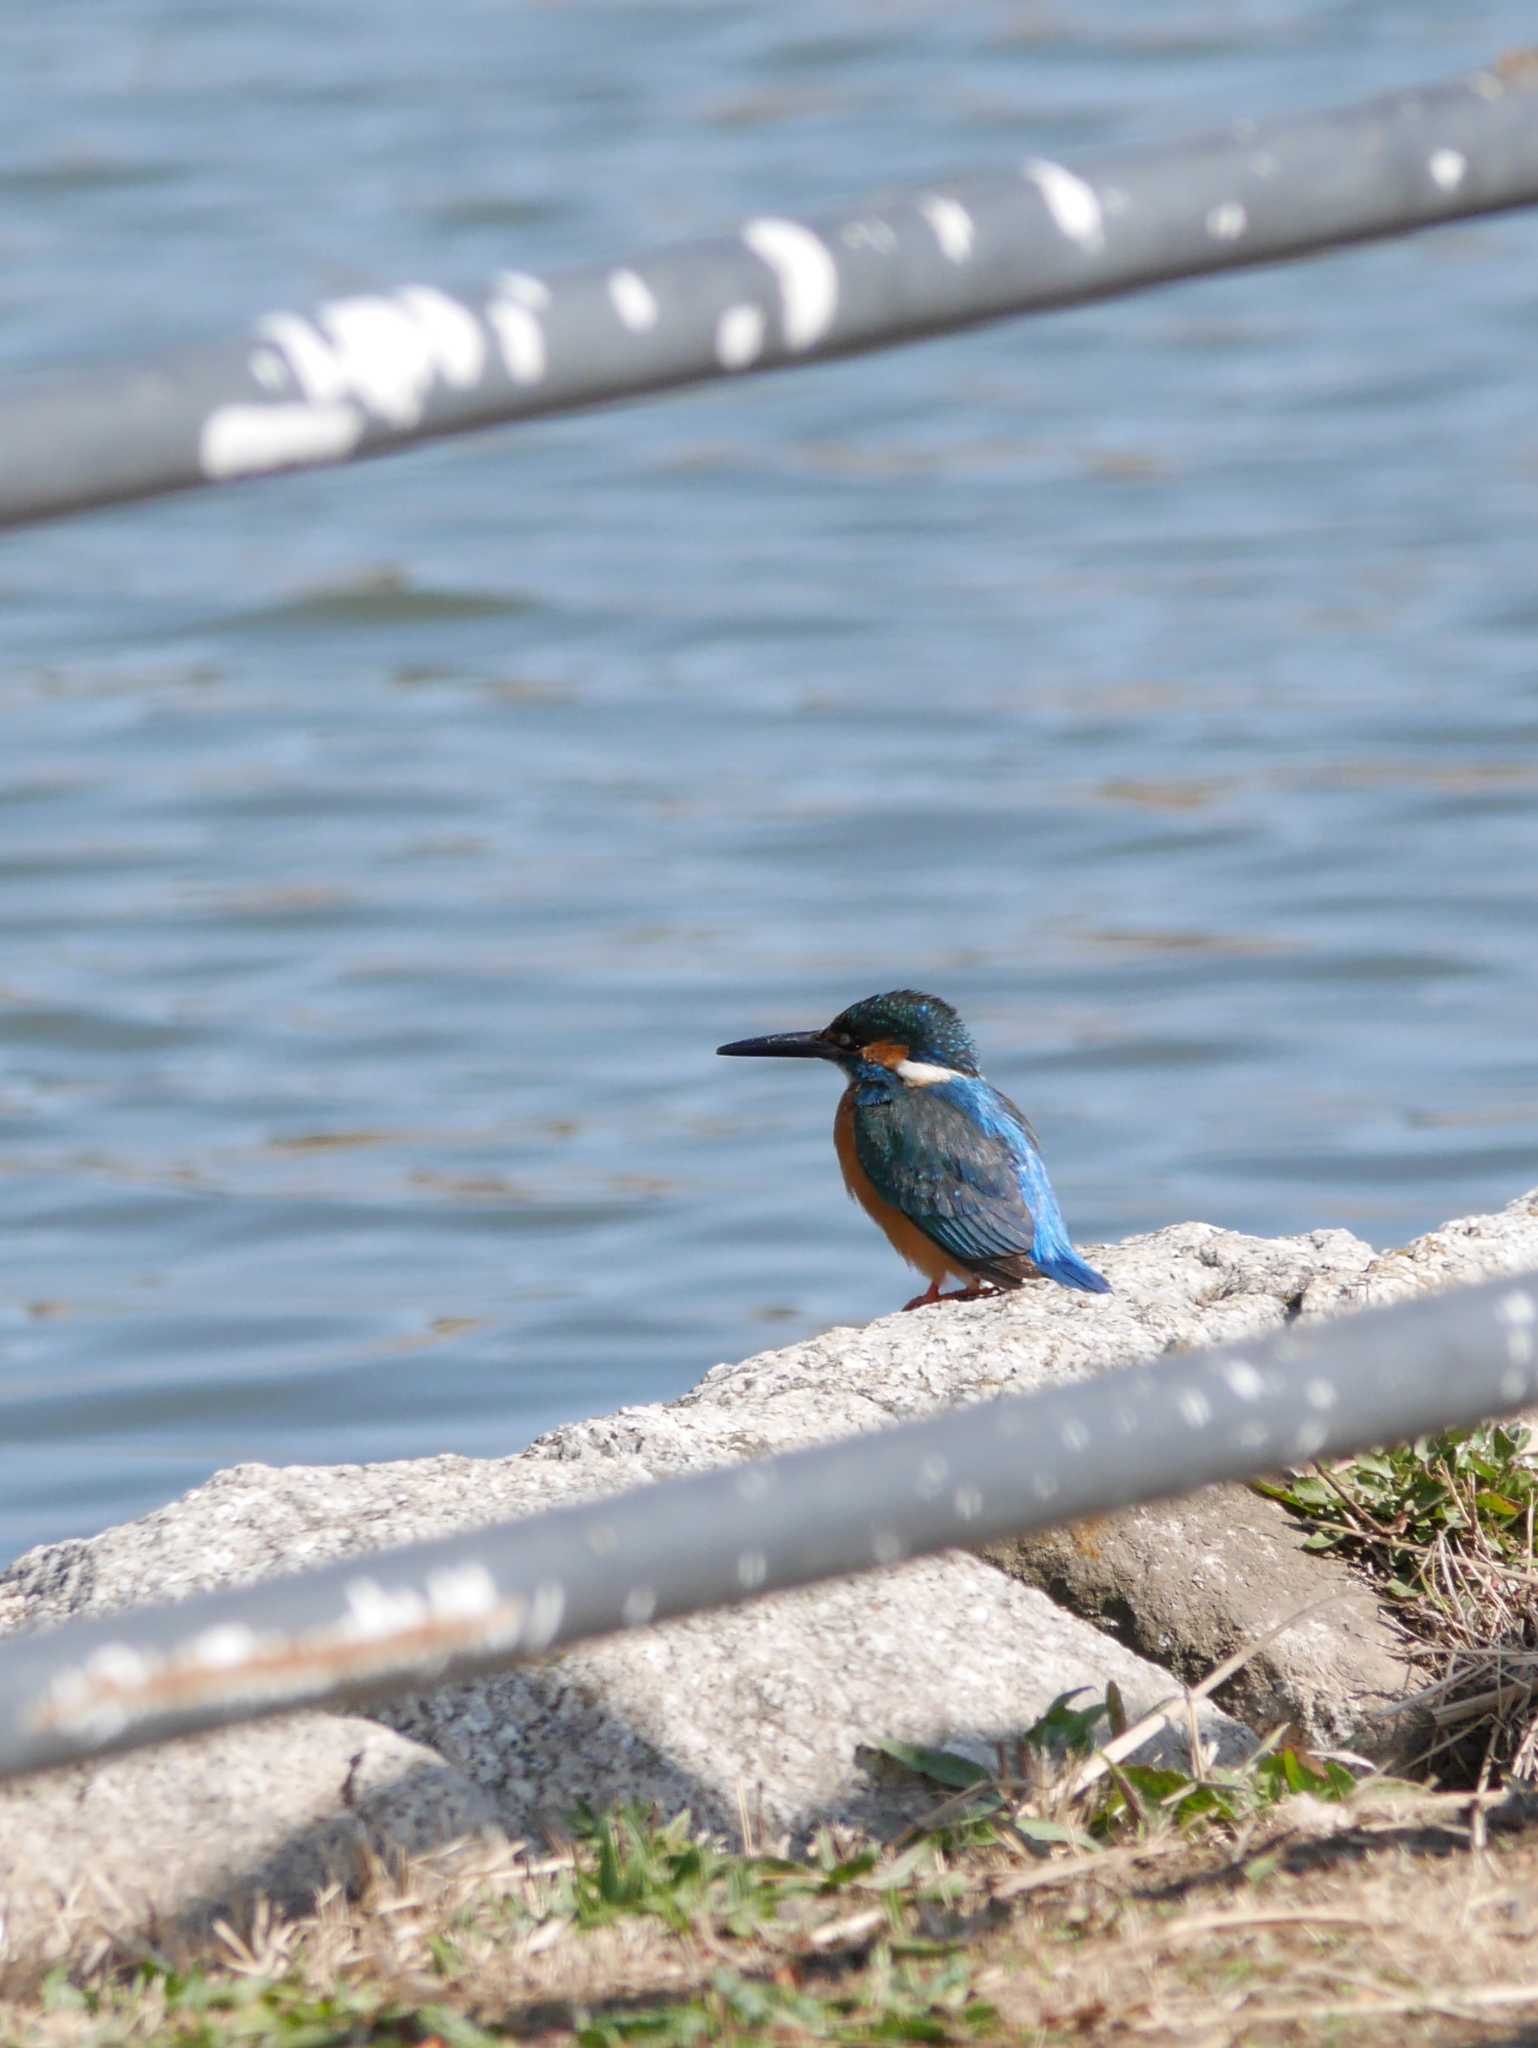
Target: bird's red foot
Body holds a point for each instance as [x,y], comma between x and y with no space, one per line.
[923,1300]
[975,1292]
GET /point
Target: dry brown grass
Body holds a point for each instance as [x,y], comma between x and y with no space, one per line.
[1399,1915]
[1445,1526]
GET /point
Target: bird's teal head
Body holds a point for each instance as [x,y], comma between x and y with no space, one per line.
[903,1029]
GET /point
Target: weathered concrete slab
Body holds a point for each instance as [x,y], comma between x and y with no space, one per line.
[1175,1289]
[1456,1254]
[164,1842]
[256,1521]
[766,1711]
[770,1707]
[1189,1582]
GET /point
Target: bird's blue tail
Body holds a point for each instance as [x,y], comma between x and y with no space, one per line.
[1066,1267]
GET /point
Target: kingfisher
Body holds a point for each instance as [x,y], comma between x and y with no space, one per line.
[947,1166]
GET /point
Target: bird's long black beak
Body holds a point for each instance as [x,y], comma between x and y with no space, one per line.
[782,1045]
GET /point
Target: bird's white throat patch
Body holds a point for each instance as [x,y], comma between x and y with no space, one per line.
[919,1073]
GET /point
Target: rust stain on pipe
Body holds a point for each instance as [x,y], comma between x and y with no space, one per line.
[379,1634]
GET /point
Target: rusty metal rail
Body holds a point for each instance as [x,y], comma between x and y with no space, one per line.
[372,372]
[399,1620]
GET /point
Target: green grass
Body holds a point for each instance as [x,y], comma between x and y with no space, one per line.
[1471,1492]
[897,2000]
[634,1865]
[898,1997]
[1131,1802]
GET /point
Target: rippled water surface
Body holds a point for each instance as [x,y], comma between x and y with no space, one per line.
[383,853]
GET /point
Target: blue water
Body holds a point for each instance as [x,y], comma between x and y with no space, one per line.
[382,853]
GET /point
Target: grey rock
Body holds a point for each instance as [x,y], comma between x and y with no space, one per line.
[1189,1582]
[772,1705]
[1175,1289]
[255,1521]
[768,1715]
[775,1708]
[1456,1254]
[158,1845]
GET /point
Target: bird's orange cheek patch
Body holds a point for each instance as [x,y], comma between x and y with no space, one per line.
[886,1052]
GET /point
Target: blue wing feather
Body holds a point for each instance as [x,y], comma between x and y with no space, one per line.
[961,1162]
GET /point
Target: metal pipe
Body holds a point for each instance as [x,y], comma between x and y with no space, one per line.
[397,1620]
[372,372]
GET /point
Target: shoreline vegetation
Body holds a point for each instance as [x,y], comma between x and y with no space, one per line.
[1284,1902]
[1071,1884]
[1061,1895]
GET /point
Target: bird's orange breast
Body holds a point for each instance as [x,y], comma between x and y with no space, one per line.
[905,1238]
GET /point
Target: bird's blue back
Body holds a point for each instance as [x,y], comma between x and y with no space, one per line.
[961,1161]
